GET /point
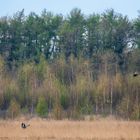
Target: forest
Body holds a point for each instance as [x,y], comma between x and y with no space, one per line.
[56,66]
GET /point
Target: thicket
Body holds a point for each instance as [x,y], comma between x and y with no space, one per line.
[69,67]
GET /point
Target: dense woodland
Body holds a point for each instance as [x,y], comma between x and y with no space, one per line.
[69,66]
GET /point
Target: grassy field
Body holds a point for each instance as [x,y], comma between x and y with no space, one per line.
[70,130]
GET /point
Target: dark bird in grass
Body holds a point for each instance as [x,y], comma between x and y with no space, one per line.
[135,74]
[23,125]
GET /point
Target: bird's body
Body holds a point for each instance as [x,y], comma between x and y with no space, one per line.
[135,74]
[23,125]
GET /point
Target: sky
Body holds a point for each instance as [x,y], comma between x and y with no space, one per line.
[125,7]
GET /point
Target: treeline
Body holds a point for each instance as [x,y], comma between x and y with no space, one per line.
[69,67]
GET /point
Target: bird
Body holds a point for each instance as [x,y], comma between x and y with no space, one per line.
[23,125]
[135,74]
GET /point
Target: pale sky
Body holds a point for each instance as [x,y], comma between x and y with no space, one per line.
[125,7]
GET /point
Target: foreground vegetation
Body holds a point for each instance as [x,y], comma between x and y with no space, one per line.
[70,130]
[69,67]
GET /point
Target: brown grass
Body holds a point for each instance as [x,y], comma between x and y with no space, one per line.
[70,130]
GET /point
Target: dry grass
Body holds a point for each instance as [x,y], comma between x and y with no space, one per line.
[70,130]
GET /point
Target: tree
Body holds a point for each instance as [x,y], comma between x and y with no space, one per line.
[71,34]
[136,24]
[49,38]
[92,35]
[15,37]
[42,108]
[33,28]
[116,34]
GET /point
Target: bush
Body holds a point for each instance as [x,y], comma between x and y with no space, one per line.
[14,109]
[57,111]
[64,100]
[135,115]
[123,109]
[42,108]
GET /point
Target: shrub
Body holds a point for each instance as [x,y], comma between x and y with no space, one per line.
[135,115]
[42,108]
[123,107]
[64,100]
[14,108]
[57,111]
